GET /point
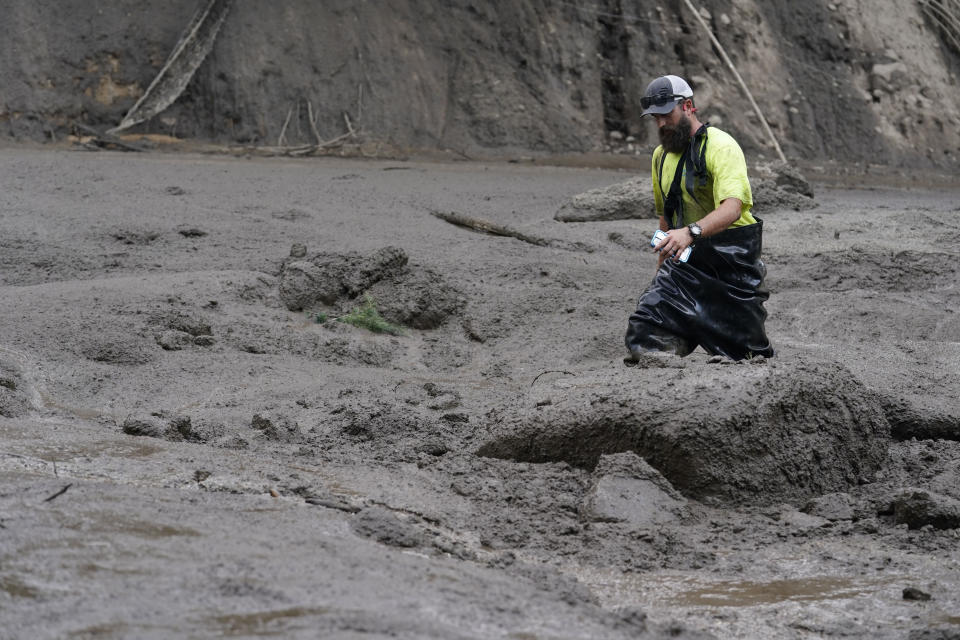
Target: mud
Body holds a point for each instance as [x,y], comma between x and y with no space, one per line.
[187,451]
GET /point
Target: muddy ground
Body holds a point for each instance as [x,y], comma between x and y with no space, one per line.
[194,444]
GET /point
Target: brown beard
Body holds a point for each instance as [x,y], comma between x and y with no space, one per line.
[675,139]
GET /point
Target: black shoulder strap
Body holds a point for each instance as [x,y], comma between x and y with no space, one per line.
[697,163]
[673,203]
[697,158]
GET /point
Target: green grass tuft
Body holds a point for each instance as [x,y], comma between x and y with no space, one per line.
[367,317]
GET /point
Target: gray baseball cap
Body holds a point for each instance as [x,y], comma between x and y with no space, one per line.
[663,94]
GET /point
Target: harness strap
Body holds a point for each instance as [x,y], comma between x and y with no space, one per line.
[694,160]
[673,203]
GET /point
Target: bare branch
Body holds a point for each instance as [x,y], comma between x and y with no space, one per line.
[281,139]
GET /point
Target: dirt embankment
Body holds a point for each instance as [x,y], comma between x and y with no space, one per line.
[835,81]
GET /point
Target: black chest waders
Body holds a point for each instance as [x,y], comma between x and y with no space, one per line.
[715,299]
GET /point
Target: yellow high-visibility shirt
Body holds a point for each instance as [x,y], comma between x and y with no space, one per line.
[726,178]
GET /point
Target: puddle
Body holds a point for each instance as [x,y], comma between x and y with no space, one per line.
[748,594]
[692,591]
[118,630]
[78,412]
[112,523]
[264,623]
[113,449]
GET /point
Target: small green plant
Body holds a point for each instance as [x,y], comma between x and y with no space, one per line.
[367,317]
[320,317]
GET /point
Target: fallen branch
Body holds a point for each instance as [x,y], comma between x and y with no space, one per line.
[543,373]
[313,124]
[281,139]
[58,493]
[105,139]
[736,74]
[191,50]
[484,226]
[491,228]
[299,150]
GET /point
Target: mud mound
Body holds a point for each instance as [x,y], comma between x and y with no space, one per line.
[14,401]
[780,185]
[769,197]
[328,277]
[629,199]
[116,348]
[758,433]
[775,186]
[417,298]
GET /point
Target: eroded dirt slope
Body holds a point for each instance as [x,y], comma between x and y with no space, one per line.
[842,80]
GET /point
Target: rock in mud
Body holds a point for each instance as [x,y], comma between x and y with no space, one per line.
[327,277]
[298,250]
[913,593]
[627,489]
[629,199]
[834,507]
[777,432]
[918,508]
[150,426]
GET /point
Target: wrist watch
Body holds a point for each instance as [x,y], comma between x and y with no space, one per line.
[695,231]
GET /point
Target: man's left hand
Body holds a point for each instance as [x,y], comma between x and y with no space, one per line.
[675,243]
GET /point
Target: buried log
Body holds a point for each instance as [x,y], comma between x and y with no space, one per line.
[756,433]
[740,81]
[494,229]
[187,56]
[99,139]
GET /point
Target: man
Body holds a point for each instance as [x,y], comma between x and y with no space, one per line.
[713,299]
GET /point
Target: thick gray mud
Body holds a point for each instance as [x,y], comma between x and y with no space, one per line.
[194,443]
